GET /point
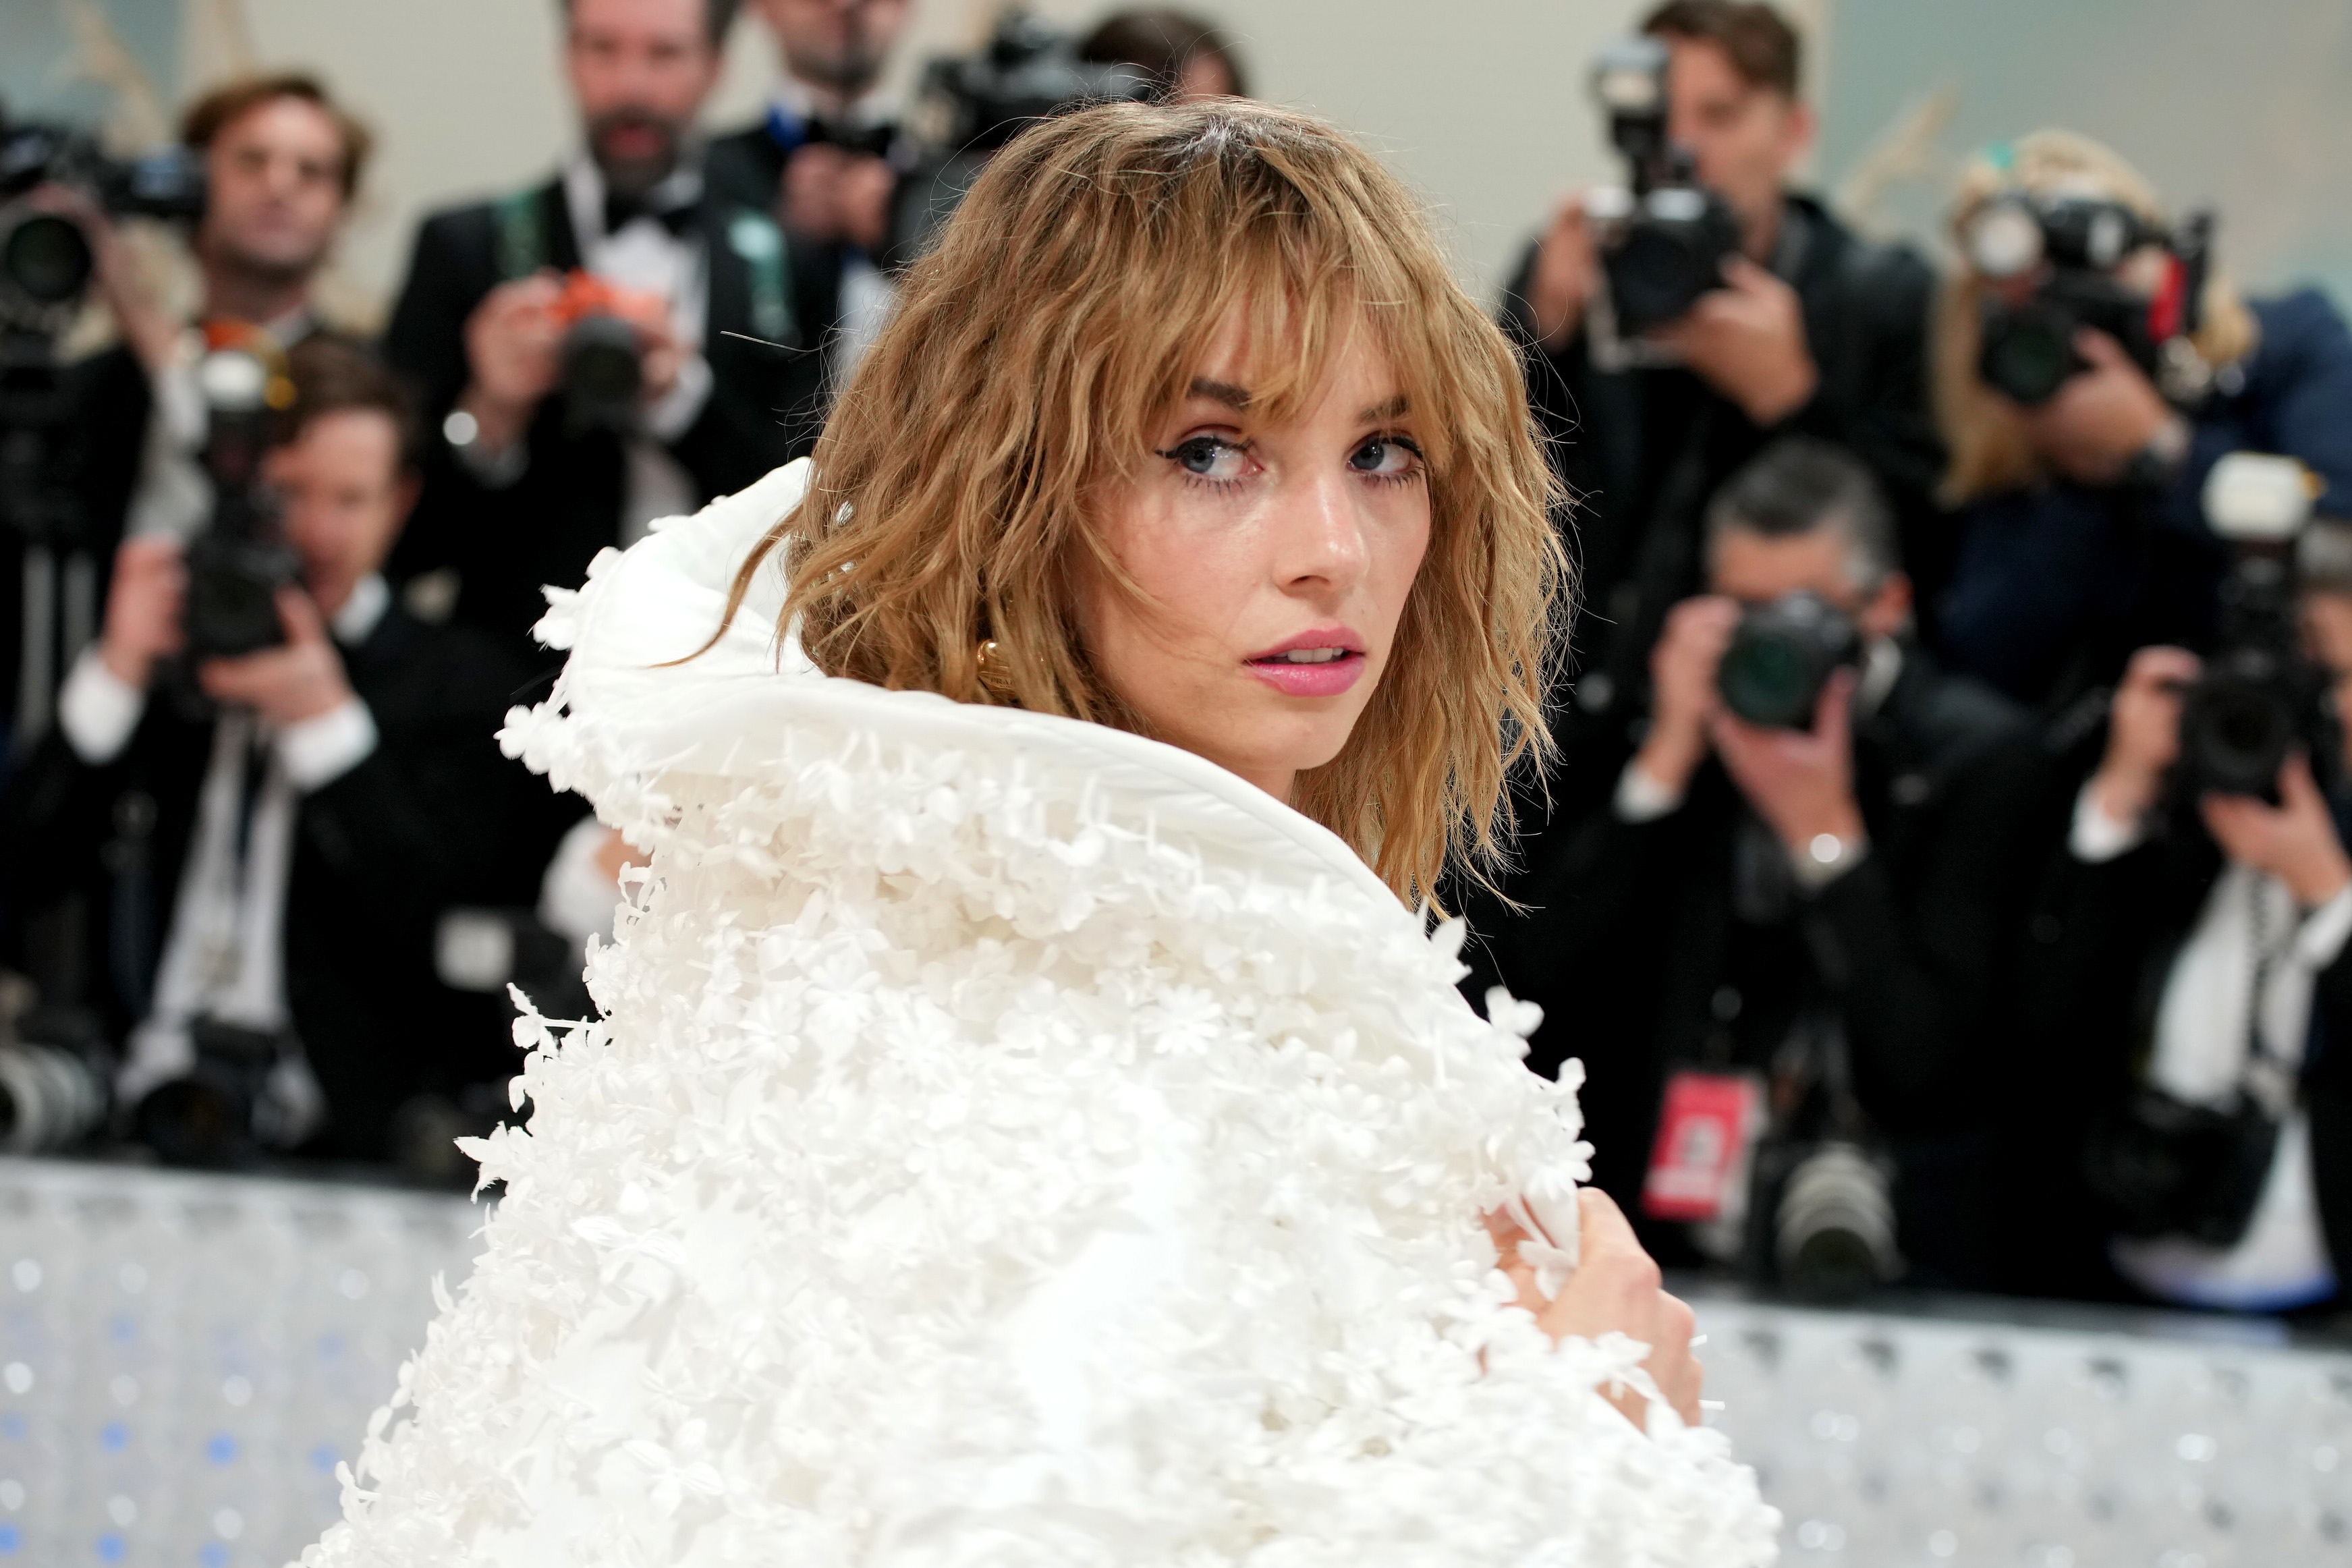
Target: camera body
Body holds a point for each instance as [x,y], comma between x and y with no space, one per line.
[1663,240]
[1782,655]
[602,367]
[2259,697]
[212,1118]
[970,106]
[2069,248]
[45,261]
[238,563]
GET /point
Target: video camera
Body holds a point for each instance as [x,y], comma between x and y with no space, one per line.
[1782,655]
[2259,697]
[971,106]
[2069,248]
[1663,242]
[45,261]
[238,563]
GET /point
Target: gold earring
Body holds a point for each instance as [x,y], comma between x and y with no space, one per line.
[995,670]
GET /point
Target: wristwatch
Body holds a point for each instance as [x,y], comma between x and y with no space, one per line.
[2152,468]
[1825,858]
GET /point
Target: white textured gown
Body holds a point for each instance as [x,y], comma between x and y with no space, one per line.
[1007,1142]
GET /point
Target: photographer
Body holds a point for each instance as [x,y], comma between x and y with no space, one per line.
[1820,897]
[2190,990]
[826,159]
[617,344]
[2085,397]
[276,836]
[281,162]
[1810,330]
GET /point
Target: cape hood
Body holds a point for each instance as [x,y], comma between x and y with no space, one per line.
[1006,1140]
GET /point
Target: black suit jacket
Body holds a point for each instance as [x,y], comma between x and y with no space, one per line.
[1647,954]
[2098,950]
[764,409]
[432,817]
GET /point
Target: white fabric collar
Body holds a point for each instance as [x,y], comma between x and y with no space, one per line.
[583,191]
[804,102]
[621,728]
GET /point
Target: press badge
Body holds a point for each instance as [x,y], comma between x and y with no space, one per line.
[1706,1132]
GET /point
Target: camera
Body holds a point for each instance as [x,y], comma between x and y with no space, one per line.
[971,106]
[601,368]
[1664,241]
[238,564]
[53,1093]
[216,1117]
[45,261]
[2259,697]
[1829,1221]
[2069,246]
[1782,655]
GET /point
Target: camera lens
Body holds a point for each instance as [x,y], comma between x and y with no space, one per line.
[1781,655]
[1836,1235]
[603,374]
[2236,731]
[45,259]
[2027,355]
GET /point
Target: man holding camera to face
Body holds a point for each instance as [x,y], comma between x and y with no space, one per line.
[2184,974]
[1799,885]
[273,833]
[1670,330]
[617,344]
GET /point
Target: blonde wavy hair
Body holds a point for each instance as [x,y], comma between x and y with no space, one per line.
[1067,308]
[1989,451]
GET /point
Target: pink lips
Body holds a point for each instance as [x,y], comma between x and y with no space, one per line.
[1327,678]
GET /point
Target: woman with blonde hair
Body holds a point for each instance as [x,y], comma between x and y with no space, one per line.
[1030,1120]
[2077,465]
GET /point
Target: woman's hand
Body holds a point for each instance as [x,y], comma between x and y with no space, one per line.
[1616,1288]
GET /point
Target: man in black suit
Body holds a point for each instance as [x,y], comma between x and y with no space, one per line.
[1825,906]
[527,481]
[270,846]
[826,158]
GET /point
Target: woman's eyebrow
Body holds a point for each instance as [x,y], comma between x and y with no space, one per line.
[1237,398]
[1394,408]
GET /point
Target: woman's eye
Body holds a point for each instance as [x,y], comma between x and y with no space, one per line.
[1210,457]
[1385,457]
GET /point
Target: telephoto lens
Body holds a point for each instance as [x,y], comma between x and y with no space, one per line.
[207,1119]
[1833,1232]
[238,563]
[1782,655]
[45,264]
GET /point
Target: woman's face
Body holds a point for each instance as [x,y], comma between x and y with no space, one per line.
[1274,562]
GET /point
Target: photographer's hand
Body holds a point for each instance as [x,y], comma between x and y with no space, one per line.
[1801,781]
[513,350]
[2294,840]
[1682,683]
[2101,417]
[301,679]
[142,609]
[1747,340]
[2143,732]
[1566,273]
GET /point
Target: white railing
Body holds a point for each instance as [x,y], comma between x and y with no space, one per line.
[185,1360]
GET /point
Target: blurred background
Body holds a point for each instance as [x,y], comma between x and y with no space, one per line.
[1983,1072]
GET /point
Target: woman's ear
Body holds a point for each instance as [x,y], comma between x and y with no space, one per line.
[1889,609]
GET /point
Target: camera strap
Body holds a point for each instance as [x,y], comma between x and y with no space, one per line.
[2265,1078]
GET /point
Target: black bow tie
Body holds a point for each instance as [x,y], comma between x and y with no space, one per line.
[622,209]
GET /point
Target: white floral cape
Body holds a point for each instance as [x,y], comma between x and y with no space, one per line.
[1007,1142]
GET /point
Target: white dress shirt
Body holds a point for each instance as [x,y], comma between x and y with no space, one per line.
[2200,1056]
[224,956]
